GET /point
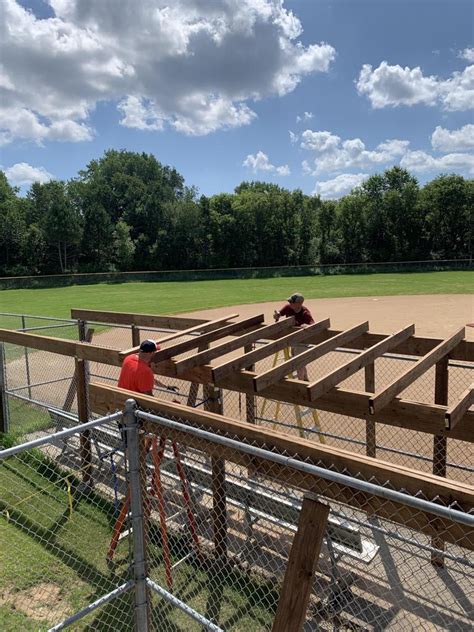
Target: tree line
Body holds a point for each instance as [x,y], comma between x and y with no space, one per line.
[127,211]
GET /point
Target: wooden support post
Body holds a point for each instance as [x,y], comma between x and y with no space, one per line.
[135,336]
[71,392]
[3,395]
[249,399]
[440,445]
[370,441]
[83,415]
[219,509]
[304,555]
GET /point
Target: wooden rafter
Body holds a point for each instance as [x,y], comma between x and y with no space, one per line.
[457,411]
[401,413]
[203,327]
[383,397]
[246,360]
[140,320]
[226,347]
[324,384]
[222,332]
[271,376]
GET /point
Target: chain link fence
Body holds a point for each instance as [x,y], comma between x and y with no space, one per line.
[179,528]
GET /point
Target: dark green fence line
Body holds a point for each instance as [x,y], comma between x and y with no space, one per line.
[58,280]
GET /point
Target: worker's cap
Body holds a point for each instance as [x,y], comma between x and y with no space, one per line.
[148,346]
[296,298]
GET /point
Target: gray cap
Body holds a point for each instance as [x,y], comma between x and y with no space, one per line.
[296,298]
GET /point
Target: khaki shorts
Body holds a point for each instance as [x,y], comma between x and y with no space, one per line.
[298,348]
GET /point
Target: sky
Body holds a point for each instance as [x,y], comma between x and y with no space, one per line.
[309,94]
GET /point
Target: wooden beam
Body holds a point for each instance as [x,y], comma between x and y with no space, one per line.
[83,416]
[324,384]
[226,347]
[440,445]
[206,326]
[71,391]
[246,360]
[383,397]
[401,413]
[457,411]
[263,380]
[413,346]
[299,576]
[141,320]
[206,338]
[370,427]
[105,398]
[62,347]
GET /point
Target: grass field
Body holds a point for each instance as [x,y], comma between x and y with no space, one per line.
[186,296]
[53,562]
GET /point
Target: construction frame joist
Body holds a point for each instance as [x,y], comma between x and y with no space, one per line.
[104,399]
[237,373]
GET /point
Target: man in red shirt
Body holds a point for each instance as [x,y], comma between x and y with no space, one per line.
[303,318]
[136,374]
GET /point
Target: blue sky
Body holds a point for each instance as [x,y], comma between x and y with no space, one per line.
[314,94]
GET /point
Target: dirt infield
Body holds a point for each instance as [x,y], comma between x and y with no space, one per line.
[434,315]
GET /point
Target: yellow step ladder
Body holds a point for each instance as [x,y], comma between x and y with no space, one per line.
[299,414]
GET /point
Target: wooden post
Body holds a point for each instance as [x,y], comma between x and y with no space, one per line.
[440,444]
[219,509]
[71,392]
[135,336]
[249,399]
[83,414]
[371,444]
[3,395]
[296,589]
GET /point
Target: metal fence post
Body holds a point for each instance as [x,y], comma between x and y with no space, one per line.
[137,517]
[4,413]
[27,360]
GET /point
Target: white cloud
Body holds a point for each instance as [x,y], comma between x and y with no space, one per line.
[393,86]
[193,64]
[333,154]
[306,116]
[293,137]
[467,54]
[420,161]
[139,114]
[22,123]
[339,186]
[260,162]
[458,139]
[23,174]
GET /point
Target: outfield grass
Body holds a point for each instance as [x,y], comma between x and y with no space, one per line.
[186,296]
[52,563]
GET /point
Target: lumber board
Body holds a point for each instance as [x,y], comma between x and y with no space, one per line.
[61,347]
[414,346]
[141,320]
[457,411]
[206,326]
[263,380]
[105,399]
[206,338]
[401,413]
[231,345]
[299,576]
[246,360]
[324,384]
[383,397]
[397,512]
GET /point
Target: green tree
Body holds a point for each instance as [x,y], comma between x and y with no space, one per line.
[62,224]
[123,246]
[447,203]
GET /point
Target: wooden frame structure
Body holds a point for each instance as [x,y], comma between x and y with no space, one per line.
[207,345]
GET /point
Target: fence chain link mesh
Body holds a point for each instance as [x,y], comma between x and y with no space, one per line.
[374,573]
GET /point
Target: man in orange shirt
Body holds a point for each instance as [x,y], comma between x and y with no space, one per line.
[136,374]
